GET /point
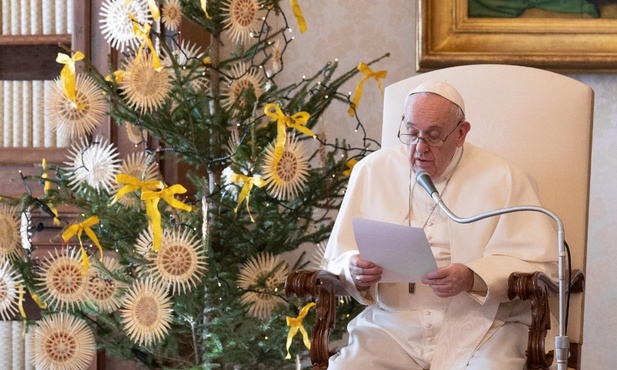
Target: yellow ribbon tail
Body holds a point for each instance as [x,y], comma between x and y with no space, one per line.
[37,300]
[299,16]
[292,332]
[355,102]
[85,259]
[21,301]
[246,189]
[204,7]
[55,211]
[157,236]
[95,240]
[154,219]
[45,175]
[279,145]
[154,9]
[68,83]
[305,338]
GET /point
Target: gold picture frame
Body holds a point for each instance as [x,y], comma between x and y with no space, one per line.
[447,37]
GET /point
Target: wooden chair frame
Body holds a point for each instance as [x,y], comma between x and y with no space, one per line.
[323,287]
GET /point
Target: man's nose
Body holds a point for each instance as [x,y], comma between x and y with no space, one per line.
[421,145]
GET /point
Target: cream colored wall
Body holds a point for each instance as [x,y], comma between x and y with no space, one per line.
[358,31]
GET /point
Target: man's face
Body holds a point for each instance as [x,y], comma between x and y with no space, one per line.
[432,115]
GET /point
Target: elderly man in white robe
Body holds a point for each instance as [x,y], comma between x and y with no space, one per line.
[459,316]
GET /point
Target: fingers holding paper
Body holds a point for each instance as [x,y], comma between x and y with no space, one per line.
[450,280]
[364,273]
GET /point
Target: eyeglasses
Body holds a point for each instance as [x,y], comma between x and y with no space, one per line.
[430,140]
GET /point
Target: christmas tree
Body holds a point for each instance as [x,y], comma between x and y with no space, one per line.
[149,272]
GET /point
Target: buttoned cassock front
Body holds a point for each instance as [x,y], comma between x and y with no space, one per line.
[492,248]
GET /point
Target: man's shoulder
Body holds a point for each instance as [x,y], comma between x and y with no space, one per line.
[385,156]
[484,160]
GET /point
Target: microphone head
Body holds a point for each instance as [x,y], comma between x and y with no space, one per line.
[421,172]
[424,180]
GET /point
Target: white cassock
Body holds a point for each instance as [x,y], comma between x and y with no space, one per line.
[383,188]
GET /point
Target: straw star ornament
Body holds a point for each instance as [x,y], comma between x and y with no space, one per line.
[62,341]
[117,18]
[103,289]
[189,57]
[93,164]
[242,19]
[146,312]
[172,14]
[179,263]
[75,119]
[261,277]
[10,285]
[62,280]
[286,177]
[10,240]
[242,78]
[144,87]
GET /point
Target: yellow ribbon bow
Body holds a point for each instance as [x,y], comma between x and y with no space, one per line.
[78,229]
[298,14]
[67,75]
[134,184]
[368,73]
[117,75]
[143,33]
[246,189]
[295,324]
[296,121]
[152,209]
[350,165]
[204,6]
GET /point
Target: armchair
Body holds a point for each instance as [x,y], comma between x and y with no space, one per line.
[537,119]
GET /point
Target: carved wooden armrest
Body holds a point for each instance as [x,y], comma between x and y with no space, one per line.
[322,287]
[537,288]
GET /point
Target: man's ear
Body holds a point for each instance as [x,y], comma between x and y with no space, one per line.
[463,129]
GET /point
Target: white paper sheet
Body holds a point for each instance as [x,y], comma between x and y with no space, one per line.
[402,251]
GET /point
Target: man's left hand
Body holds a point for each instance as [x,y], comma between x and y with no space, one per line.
[450,280]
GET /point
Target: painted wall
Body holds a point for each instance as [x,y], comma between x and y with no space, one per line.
[354,31]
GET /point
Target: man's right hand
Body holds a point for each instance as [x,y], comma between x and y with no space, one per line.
[364,273]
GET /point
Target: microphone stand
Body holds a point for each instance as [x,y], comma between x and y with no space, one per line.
[562,342]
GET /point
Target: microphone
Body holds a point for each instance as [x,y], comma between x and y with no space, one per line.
[562,342]
[424,180]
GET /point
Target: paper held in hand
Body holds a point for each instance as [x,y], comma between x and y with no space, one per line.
[402,251]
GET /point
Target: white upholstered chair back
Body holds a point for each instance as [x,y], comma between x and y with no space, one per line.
[541,121]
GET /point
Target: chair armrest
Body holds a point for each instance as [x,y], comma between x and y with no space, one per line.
[537,288]
[321,286]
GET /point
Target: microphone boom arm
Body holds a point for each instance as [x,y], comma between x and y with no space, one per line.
[562,342]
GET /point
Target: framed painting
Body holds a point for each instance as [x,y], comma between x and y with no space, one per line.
[572,43]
